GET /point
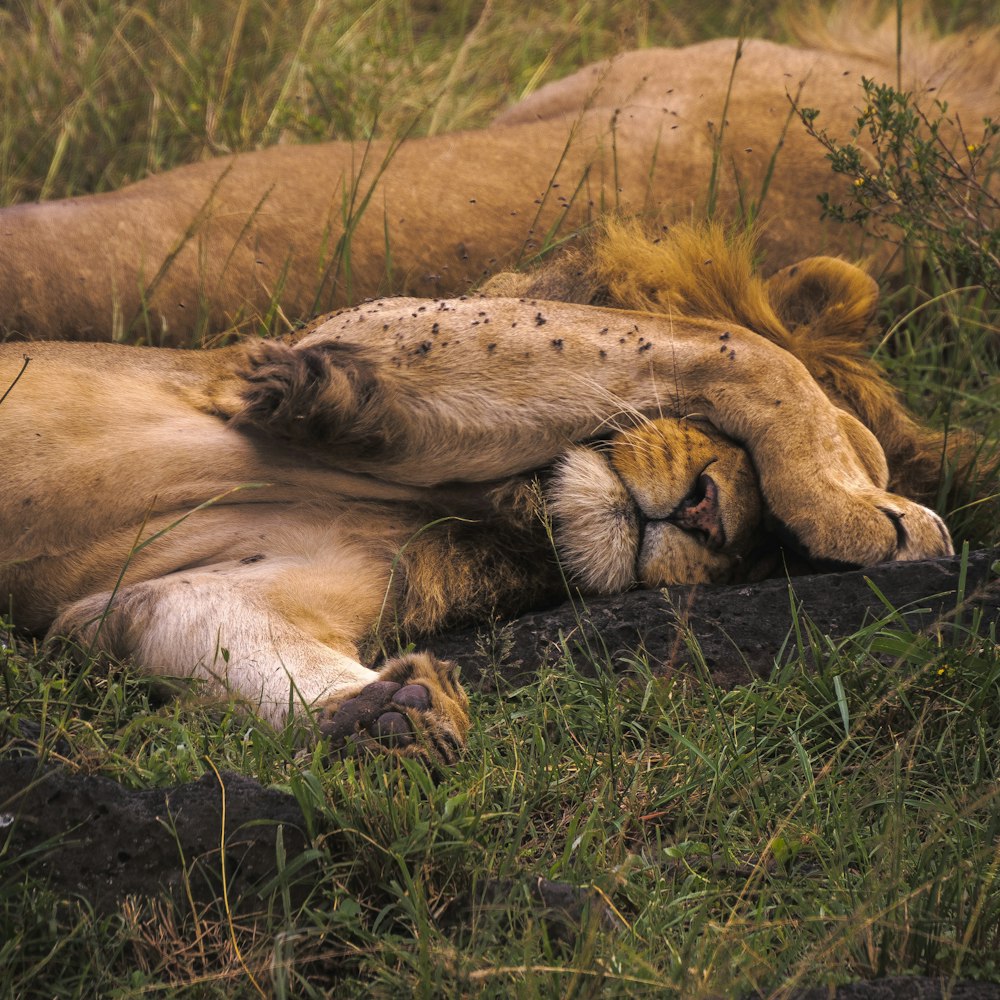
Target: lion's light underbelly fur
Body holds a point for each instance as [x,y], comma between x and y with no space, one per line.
[217,623]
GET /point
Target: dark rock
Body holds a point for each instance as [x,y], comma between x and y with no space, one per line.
[739,629]
[90,836]
[902,988]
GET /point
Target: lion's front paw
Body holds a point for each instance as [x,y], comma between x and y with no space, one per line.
[416,708]
[920,532]
[832,497]
[872,528]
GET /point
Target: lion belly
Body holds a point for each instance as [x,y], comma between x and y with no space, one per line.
[118,471]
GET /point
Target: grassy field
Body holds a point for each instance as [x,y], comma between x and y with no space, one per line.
[841,820]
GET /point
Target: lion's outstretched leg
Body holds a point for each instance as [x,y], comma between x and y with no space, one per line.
[220,624]
[424,393]
[415,708]
[200,625]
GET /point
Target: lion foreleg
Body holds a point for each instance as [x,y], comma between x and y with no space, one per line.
[423,393]
[220,625]
[202,626]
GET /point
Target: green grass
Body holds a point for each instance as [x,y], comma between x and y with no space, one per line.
[839,820]
[95,93]
[101,92]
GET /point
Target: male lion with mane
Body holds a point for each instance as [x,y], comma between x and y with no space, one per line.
[262,515]
[203,247]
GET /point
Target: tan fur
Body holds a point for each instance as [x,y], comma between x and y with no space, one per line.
[212,244]
[656,468]
[264,516]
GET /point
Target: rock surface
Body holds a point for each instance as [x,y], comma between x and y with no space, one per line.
[91,837]
[739,629]
[903,988]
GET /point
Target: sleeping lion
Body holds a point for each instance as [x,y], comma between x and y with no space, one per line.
[200,248]
[260,516]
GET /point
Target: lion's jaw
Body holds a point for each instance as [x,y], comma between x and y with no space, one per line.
[665,503]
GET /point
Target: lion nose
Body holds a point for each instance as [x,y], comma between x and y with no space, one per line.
[699,513]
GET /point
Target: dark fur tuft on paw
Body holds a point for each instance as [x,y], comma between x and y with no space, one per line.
[325,395]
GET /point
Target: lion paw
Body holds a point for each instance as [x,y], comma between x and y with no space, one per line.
[416,708]
[320,395]
[875,528]
[920,532]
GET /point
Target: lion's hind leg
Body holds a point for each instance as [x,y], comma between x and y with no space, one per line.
[221,625]
[415,708]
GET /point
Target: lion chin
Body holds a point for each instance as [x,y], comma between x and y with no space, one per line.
[593,513]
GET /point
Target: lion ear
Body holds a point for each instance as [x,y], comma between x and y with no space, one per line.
[830,296]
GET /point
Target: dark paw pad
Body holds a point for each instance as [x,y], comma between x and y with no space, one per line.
[372,717]
[413,696]
[392,729]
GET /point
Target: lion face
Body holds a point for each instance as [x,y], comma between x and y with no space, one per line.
[671,501]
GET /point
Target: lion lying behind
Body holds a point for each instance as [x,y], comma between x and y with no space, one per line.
[216,243]
[262,515]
